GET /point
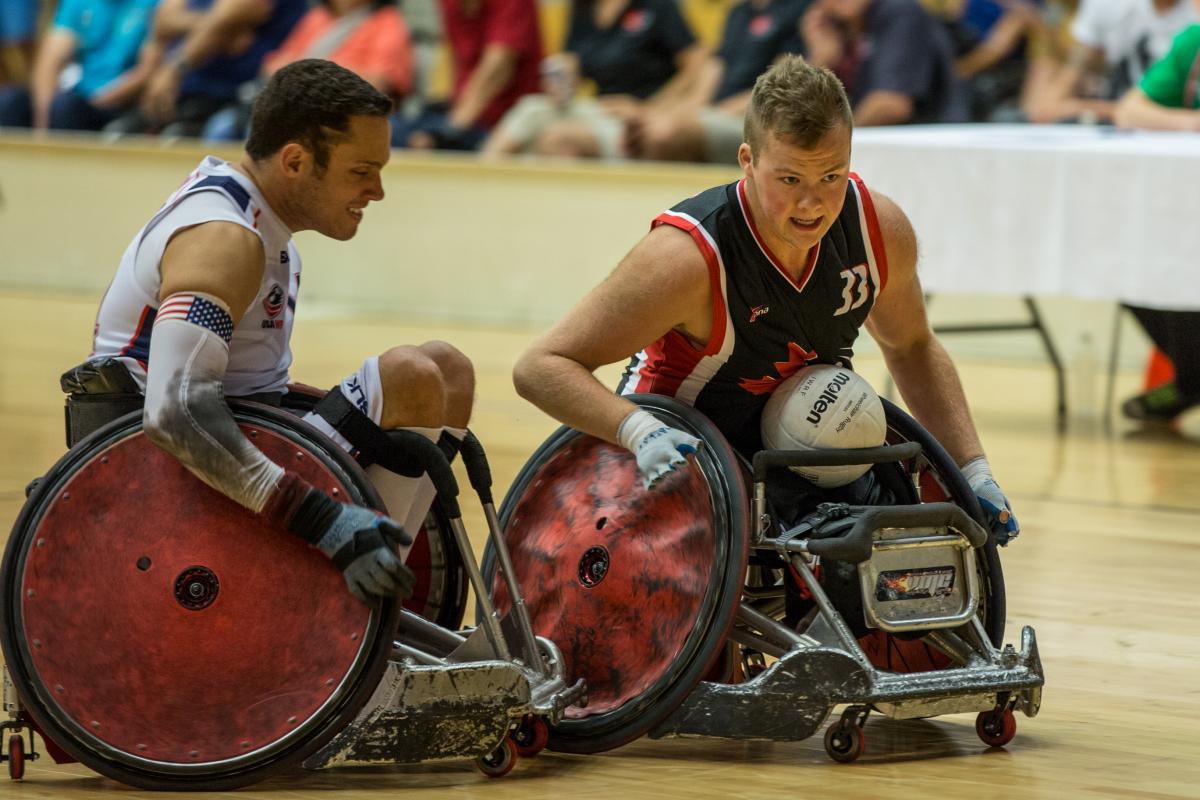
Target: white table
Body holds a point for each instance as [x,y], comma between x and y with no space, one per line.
[1066,210]
[1033,210]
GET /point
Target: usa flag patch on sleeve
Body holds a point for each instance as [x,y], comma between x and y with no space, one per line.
[199,311]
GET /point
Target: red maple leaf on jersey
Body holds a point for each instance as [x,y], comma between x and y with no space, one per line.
[798,358]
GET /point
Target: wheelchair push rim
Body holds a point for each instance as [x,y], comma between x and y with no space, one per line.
[637,588]
[165,661]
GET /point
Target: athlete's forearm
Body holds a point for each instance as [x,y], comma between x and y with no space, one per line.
[569,392]
[185,411]
[929,384]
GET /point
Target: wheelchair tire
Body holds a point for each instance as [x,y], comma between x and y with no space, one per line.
[204,661]
[440,591]
[638,589]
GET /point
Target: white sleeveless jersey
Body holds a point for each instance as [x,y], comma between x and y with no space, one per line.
[259,353]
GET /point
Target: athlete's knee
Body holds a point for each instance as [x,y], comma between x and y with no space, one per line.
[413,389]
[458,378]
[458,373]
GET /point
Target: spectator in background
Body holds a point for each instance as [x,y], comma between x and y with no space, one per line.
[707,125]
[101,38]
[18,30]
[990,39]
[495,48]
[201,52]
[1115,41]
[895,60]
[367,37]
[1167,98]
[639,54]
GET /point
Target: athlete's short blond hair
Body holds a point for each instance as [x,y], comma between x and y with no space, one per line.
[797,102]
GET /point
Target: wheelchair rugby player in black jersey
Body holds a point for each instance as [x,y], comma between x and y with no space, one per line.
[684,543]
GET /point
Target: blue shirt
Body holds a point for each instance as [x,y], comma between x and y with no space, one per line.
[221,76]
[109,34]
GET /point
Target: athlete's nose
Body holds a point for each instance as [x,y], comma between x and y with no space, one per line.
[809,204]
[376,190]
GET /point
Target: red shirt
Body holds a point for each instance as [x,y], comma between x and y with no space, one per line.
[470,26]
[378,48]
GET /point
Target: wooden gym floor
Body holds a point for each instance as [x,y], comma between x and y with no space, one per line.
[1106,570]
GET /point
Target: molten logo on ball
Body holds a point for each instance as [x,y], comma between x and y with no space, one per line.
[824,407]
[827,397]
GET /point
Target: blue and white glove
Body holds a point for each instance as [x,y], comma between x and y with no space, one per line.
[996,509]
[659,447]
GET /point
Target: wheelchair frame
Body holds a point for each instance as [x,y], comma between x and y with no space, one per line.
[480,693]
[823,664]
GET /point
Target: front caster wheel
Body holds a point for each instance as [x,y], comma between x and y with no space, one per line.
[845,741]
[500,761]
[16,757]
[531,736]
[996,727]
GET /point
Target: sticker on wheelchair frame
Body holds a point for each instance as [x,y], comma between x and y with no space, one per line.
[914,584]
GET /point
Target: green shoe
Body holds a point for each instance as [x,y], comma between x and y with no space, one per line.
[1160,404]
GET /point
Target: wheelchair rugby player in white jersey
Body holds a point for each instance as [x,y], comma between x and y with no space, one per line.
[220,612]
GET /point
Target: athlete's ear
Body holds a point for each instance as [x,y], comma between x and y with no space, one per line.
[293,158]
[745,157]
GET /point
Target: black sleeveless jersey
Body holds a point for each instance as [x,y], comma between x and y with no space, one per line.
[765,325]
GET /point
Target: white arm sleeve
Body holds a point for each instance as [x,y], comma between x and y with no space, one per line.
[185,412]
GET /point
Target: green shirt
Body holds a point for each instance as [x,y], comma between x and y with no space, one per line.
[1172,82]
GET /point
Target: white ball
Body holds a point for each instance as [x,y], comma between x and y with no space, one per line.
[823,407]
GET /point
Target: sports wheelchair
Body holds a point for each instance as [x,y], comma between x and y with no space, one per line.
[165,637]
[692,609]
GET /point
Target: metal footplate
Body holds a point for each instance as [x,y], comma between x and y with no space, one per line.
[458,704]
[432,713]
[791,699]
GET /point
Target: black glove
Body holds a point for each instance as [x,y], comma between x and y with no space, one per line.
[360,542]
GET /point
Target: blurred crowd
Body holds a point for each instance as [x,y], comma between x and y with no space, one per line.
[652,79]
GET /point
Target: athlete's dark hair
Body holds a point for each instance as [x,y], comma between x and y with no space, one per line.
[311,102]
[797,102]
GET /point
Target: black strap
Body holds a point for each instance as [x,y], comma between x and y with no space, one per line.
[370,439]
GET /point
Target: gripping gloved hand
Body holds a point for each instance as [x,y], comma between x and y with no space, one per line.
[659,448]
[996,510]
[360,542]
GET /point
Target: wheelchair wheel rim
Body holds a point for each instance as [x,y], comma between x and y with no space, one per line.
[140,685]
[640,613]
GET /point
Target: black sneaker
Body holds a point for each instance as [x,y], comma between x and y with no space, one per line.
[1160,404]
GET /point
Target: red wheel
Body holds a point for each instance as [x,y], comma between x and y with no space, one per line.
[638,589]
[16,757]
[531,736]
[845,741]
[996,728]
[500,761]
[232,591]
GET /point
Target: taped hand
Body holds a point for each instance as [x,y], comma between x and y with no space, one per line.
[659,448]
[996,509]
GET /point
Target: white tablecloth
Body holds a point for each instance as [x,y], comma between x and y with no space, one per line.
[1064,210]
